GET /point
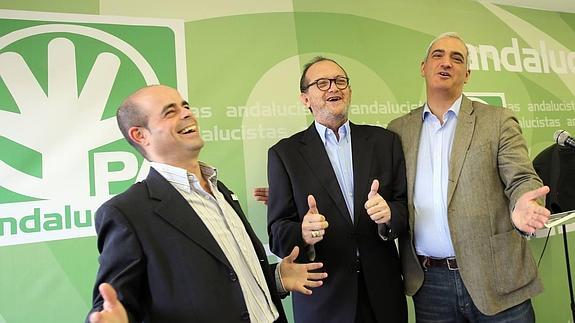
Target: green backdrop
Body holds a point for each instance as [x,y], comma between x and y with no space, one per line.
[65,66]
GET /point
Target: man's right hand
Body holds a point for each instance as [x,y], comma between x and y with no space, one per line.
[114,311]
[261,194]
[314,224]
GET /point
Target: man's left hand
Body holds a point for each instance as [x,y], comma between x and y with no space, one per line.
[377,208]
[528,215]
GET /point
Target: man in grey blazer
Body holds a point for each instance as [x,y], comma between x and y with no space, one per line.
[472,197]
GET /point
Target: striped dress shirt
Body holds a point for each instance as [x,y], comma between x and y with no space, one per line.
[229,232]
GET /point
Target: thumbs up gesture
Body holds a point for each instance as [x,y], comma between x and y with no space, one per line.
[314,224]
[376,206]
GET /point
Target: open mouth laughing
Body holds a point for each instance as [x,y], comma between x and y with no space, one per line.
[188,129]
[334,98]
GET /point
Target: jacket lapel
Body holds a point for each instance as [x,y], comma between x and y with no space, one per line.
[314,154]
[461,141]
[410,137]
[173,208]
[362,156]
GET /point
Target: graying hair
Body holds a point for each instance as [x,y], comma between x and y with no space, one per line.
[449,34]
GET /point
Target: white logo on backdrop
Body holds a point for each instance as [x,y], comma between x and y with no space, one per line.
[62,123]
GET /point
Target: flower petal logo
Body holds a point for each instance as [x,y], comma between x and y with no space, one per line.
[61,151]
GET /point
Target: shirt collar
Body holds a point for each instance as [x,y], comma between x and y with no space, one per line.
[182,178]
[454,108]
[324,131]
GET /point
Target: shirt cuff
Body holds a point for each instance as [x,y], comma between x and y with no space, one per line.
[279,282]
[524,234]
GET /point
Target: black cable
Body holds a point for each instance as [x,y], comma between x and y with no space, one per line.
[544,247]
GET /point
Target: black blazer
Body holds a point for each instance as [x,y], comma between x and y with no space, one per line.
[298,166]
[164,263]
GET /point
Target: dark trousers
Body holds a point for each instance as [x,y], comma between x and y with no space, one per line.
[364,312]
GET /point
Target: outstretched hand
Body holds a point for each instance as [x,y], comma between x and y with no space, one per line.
[299,277]
[528,215]
[114,311]
[377,208]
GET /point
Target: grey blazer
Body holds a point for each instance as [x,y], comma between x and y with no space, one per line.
[489,170]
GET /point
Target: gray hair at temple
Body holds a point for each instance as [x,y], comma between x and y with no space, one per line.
[449,34]
[129,115]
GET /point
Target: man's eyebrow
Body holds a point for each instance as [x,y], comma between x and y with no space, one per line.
[168,106]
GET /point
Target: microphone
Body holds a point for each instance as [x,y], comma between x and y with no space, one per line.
[564,139]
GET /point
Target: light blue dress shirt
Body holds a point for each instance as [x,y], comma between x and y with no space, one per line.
[339,153]
[432,235]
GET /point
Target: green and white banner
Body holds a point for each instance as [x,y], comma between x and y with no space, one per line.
[63,74]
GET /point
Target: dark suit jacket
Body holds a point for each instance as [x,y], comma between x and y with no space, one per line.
[164,263]
[298,166]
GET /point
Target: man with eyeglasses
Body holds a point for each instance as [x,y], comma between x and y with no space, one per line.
[338,191]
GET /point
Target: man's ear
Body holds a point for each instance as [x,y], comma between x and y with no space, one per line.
[139,135]
[304,99]
[421,71]
[467,76]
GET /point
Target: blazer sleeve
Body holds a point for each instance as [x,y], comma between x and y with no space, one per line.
[515,168]
[398,200]
[121,261]
[284,222]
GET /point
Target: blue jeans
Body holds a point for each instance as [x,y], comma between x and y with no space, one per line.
[444,299]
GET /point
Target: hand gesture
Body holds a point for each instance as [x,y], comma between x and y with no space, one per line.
[113,311]
[528,215]
[261,194]
[376,206]
[314,224]
[298,277]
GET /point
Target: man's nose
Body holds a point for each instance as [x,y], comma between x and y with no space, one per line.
[186,113]
[446,62]
[332,86]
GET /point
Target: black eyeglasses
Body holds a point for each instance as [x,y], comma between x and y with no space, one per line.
[341,82]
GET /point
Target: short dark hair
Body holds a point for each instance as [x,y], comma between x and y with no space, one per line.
[130,115]
[317,59]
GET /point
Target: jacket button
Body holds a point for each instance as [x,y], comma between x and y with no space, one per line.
[245,316]
[233,276]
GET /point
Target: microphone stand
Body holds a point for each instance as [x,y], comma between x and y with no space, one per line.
[566,248]
[556,167]
[566,201]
